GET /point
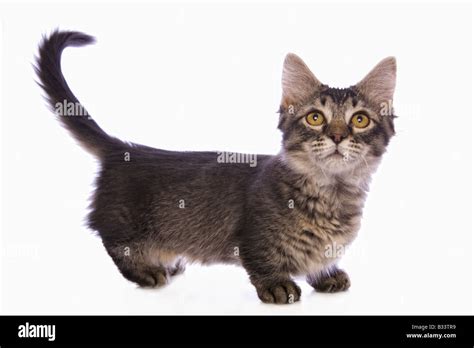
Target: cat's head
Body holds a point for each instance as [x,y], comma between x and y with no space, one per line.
[336,130]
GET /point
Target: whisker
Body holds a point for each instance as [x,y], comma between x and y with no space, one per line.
[363,157]
[322,171]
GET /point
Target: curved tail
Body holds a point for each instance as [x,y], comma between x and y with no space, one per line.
[63,102]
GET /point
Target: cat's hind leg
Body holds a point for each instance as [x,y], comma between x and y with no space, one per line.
[142,265]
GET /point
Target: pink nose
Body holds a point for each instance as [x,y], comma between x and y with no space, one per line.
[337,137]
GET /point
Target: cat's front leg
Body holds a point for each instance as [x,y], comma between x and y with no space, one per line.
[331,280]
[278,291]
[270,277]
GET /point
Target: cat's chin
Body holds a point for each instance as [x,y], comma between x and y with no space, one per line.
[333,164]
[337,164]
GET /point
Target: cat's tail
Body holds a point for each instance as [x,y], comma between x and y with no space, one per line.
[60,98]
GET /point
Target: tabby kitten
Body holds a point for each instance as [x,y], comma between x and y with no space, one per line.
[155,209]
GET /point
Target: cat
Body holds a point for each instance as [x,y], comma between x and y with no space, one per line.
[155,210]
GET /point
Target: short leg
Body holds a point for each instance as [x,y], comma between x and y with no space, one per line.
[136,268]
[273,285]
[331,280]
[267,247]
[280,291]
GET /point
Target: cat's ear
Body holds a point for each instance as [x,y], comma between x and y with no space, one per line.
[379,84]
[298,82]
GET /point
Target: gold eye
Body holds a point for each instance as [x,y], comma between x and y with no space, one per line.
[360,120]
[315,118]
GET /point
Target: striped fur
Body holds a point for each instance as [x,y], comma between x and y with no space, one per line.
[162,208]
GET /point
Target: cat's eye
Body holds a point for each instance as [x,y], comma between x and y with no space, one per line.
[315,118]
[360,120]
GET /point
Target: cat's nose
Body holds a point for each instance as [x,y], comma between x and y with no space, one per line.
[337,137]
[338,130]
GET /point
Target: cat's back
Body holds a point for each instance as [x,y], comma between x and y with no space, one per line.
[172,194]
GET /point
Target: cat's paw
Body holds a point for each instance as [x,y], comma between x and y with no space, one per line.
[178,268]
[280,292]
[336,281]
[150,277]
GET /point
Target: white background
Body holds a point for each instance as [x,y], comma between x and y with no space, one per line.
[207,77]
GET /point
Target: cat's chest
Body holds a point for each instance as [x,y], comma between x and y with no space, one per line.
[326,220]
[333,209]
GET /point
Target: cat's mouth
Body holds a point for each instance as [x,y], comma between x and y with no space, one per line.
[335,154]
[334,158]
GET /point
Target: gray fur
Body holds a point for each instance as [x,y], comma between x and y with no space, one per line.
[160,208]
